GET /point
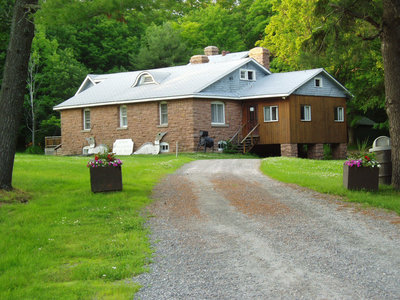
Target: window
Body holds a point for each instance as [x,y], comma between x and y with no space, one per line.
[318,82]
[247,75]
[86,119]
[123,117]
[243,74]
[339,114]
[146,79]
[217,113]
[270,113]
[305,113]
[164,147]
[221,145]
[163,113]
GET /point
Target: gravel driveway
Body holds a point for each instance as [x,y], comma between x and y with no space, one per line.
[222,230]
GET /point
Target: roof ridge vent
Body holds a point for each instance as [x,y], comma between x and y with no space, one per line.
[199,59]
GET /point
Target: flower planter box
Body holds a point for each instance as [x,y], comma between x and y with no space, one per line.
[106,179]
[357,178]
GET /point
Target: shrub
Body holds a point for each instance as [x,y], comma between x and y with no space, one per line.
[230,148]
[34,150]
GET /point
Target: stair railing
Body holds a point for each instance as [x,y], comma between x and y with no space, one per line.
[250,134]
[236,135]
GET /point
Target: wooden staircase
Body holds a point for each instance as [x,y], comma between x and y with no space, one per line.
[248,142]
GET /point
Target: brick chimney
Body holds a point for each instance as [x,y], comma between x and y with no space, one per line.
[199,59]
[211,50]
[261,55]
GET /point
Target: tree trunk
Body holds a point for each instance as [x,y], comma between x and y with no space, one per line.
[32,74]
[14,85]
[391,62]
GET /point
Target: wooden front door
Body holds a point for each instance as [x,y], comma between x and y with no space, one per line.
[251,118]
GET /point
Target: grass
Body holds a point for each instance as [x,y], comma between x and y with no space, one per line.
[68,243]
[326,176]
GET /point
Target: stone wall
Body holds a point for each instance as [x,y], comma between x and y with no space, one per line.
[289,150]
[315,151]
[339,151]
[186,118]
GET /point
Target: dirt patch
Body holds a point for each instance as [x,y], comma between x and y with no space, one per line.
[14,196]
[249,197]
[175,198]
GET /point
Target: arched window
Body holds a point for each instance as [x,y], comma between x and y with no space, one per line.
[144,78]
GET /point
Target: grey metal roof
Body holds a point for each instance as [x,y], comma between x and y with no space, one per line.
[280,84]
[184,82]
[228,57]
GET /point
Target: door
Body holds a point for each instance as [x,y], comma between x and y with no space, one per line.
[251,118]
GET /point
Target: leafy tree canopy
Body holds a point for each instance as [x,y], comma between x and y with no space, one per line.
[157,51]
[213,25]
[302,40]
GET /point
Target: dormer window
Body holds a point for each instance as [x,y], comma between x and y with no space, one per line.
[249,75]
[146,79]
[318,82]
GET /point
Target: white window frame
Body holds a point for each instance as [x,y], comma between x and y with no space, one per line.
[244,74]
[306,112]
[268,115]
[163,113]
[339,114]
[164,147]
[218,104]
[123,116]
[320,82]
[86,119]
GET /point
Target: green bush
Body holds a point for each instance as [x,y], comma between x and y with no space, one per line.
[34,150]
[230,148]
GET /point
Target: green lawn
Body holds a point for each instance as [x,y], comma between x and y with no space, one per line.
[68,243]
[326,176]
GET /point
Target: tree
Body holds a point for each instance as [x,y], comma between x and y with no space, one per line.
[162,46]
[212,26]
[253,16]
[14,84]
[6,9]
[16,65]
[384,17]
[53,76]
[32,87]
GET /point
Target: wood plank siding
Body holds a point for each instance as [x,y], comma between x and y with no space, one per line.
[289,129]
[322,128]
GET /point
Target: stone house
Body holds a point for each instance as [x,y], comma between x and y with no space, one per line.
[233,96]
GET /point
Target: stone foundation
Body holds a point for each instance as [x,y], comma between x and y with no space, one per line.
[315,151]
[289,150]
[339,151]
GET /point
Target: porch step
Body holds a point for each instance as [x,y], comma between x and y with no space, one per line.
[246,146]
